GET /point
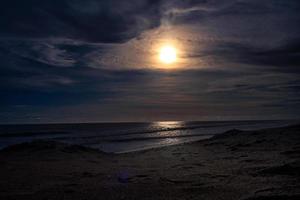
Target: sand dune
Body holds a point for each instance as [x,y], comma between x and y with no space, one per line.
[254,165]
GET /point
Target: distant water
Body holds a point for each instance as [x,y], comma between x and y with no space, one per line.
[126,137]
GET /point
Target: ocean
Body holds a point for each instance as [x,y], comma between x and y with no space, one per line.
[127,137]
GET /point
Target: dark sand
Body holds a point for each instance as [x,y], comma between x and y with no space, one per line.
[256,165]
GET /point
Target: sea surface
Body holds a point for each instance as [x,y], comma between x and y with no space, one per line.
[127,137]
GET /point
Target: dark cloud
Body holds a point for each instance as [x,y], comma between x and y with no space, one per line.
[197,11]
[91,20]
[285,58]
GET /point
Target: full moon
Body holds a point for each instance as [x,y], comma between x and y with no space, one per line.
[168,54]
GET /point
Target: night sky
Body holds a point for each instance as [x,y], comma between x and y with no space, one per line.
[97,60]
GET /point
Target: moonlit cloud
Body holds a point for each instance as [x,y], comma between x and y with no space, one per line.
[238,59]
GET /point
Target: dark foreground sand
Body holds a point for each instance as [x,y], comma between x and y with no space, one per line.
[256,165]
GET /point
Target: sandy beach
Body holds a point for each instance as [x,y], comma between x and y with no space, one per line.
[250,165]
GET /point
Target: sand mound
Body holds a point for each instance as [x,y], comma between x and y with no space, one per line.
[45,145]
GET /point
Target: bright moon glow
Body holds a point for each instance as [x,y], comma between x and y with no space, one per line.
[168,54]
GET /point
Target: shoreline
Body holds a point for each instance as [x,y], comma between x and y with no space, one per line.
[257,165]
[53,134]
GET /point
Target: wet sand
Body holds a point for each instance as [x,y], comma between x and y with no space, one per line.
[250,165]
